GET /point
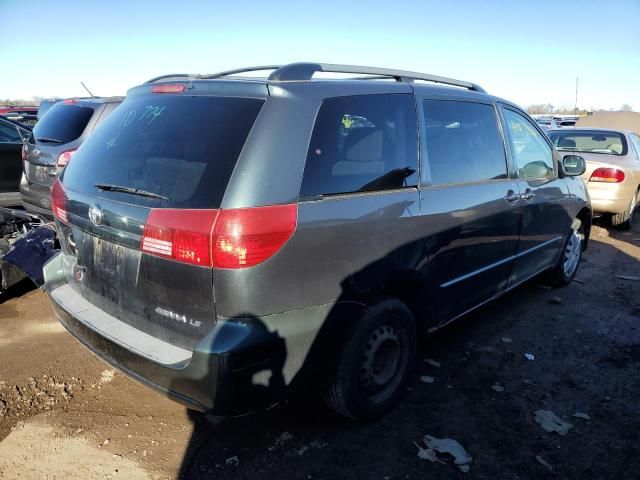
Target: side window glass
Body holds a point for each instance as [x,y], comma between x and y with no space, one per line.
[9,133]
[463,142]
[362,143]
[532,154]
[635,140]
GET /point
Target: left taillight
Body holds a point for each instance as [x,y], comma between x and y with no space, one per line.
[59,202]
[65,157]
[24,152]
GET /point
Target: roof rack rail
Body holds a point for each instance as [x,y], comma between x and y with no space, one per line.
[210,76]
[305,71]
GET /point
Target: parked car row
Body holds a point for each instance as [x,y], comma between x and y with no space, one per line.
[227,241]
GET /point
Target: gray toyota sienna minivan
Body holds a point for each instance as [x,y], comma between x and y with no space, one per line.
[228,240]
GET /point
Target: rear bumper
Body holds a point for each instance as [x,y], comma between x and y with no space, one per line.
[242,365]
[610,197]
[36,198]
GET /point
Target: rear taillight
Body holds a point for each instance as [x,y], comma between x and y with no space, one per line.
[24,152]
[184,235]
[168,88]
[609,175]
[64,157]
[237,238]
[59,202]
[245,237]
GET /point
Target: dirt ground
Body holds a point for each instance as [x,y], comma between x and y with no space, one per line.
[64,414]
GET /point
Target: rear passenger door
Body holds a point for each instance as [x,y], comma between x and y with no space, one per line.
[470,207]
[358,199]
[545,221]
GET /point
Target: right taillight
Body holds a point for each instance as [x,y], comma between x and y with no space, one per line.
[235,238]
[608,175]
[24,152]
[59,202]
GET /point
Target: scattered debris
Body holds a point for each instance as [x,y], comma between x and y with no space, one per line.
[461,458]
[432,362]
[233,461]
[281,440]
[486,349]
[530,356]
[498,388]
[550,422]
[427,379]
[544,463]
[581,415]
[107,376]
[577,280]
[427,454]
[555,300]
[106,442]
[633,278]
[505,340]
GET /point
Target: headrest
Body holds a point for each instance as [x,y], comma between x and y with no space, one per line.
[364,145]
[567,143]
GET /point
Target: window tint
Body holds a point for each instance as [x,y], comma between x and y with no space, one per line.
[463,142]
[362,143]
[63,122]
[610,143]
[532,154]
[180,147]
[9,133]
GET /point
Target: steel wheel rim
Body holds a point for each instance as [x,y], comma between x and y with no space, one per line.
[572,253]
[381,362]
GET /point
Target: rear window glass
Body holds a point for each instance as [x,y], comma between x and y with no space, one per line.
[362,143]
[182,148]
[463,142]
[610,143]
[63,123]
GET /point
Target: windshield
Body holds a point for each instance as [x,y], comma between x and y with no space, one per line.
[610,143]
[179,150]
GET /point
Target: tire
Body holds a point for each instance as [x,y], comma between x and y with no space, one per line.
[565,270]
[375,363]
[623,220]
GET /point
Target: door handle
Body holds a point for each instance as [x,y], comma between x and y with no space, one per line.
[512,196]
[528,194]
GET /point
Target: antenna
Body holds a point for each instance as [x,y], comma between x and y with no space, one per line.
[85,87]
[575,108]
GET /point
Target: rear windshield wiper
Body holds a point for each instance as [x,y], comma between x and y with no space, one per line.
[132,191]
[49,140]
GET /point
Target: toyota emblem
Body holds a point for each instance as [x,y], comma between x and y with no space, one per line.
[95,215]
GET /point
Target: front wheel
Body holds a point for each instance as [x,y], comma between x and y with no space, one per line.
[375,363]
[567,266]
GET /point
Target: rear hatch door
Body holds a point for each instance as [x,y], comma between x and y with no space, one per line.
[168,153]
[58,131]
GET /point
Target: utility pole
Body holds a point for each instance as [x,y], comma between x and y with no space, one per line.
[575,108]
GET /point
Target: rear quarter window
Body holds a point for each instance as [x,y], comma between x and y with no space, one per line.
[63,122]
[362,143]
[180,147]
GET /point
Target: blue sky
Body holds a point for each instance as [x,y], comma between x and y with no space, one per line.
[526,51]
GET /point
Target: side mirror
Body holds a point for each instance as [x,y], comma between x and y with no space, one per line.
[573,165]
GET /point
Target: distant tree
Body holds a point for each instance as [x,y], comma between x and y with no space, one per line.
[540,109]
[626,108]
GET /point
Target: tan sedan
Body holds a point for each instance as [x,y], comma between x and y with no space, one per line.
[613,168]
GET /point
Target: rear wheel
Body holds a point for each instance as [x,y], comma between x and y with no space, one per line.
[563,273]
[623,220]
[375,363]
